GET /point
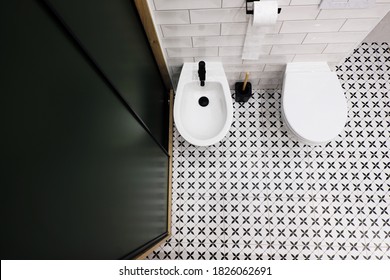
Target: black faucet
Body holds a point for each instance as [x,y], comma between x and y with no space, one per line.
[202,72]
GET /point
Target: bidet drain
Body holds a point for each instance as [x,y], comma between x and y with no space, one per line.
[203,101]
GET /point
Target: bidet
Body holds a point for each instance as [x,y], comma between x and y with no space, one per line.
[203,112]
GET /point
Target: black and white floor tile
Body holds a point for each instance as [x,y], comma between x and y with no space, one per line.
[261,194]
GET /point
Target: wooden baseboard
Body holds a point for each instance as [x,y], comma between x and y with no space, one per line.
[144,254]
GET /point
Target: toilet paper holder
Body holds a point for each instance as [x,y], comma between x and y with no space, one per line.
[250,12]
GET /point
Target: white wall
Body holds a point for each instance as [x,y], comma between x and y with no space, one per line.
[214,30]
[381,32]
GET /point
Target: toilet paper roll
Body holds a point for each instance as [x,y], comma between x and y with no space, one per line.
[264,13]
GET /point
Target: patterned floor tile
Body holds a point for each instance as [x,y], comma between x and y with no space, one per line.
[294,252]
[202,173]
[339,222]
[199,251]
[292,221]
[247,220]
[175,217]
[247,251]
[167,251]
[329,251]
[378,253]
[376,222]
[243,171]
[202,220]
[261,194]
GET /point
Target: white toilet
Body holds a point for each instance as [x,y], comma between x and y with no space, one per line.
[314,108]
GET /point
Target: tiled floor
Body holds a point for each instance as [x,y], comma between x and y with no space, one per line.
[260,194]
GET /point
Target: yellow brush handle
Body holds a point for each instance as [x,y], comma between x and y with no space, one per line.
[245,81]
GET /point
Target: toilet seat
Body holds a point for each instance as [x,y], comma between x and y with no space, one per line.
[314,106]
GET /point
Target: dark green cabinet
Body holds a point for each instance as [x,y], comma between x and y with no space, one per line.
[81,177]
[112,35]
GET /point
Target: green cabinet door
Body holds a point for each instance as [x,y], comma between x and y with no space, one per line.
[80,178]
[113,36]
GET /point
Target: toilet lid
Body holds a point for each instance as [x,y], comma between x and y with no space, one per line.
[314,105]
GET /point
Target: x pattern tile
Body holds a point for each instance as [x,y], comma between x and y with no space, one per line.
[261,194]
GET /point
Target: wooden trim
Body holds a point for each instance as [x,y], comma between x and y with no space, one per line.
[147,22]
[144,254]
[170,152]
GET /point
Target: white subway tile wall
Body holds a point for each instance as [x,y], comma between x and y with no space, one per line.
[304,2]
[332,57]
[378,11]
[240,68]
[186,4]
[176,42]
[239,28]
[186,52]
[172,17]
[271,59]
[298,49]
[339,48]
[334,37]
[179,61]
[218,15]
[328,25]
[274,67]
[216,41]
[364,24]
[214,30]
[190,30]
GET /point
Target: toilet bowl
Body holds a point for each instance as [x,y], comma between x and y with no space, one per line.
[314,108]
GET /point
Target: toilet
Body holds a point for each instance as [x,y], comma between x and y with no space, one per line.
[314,108]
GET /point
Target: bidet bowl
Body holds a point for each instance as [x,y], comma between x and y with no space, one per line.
[203,114]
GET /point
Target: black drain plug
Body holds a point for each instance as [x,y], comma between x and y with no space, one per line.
[203,101]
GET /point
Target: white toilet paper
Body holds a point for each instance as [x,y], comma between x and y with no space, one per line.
[265,14]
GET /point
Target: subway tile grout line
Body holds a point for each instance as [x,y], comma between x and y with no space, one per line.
[189,16]
[341,27]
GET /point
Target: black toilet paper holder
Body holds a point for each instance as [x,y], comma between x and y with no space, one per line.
[250,12]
